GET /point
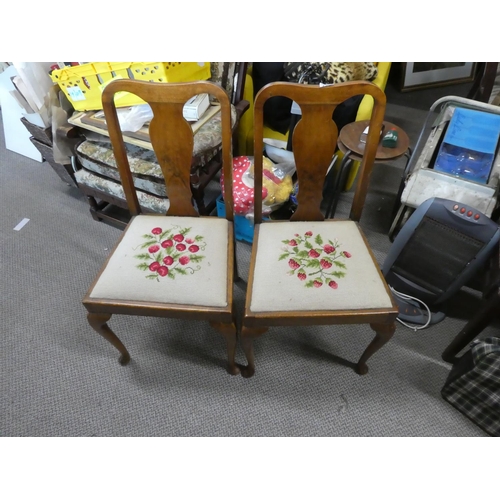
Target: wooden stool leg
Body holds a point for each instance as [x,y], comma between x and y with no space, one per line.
[247,337]
[383,332]
[99,323]
[229,332]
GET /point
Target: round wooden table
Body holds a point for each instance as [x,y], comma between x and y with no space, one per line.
[350,145]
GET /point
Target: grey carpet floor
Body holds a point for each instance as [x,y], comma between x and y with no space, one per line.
[59,378]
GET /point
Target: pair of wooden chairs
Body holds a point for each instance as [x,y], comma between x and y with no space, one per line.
[306,271]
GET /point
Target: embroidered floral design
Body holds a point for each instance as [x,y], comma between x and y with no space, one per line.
[312,258]
[170,253]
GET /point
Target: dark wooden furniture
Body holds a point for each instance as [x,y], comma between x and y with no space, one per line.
[481,89]
[350,145]
[311,271]
[42,139]
[103,205]
[488,283]
[166,262]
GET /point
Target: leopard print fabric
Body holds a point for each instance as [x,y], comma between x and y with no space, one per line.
[332,72]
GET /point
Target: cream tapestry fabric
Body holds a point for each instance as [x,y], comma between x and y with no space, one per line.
[179,260]
[308,266]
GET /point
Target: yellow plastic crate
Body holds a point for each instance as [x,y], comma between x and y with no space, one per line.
[83,84]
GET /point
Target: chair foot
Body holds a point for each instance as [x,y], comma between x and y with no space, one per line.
[99,323]
[383,333]
[228,330]
[247,337]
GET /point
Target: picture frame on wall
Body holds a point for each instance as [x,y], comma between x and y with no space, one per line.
[419,75]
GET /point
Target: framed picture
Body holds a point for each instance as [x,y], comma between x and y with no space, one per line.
[418,75]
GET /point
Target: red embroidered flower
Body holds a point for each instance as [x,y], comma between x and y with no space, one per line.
[154,266]
[165,257]
[162,271]
[296,234]
[317,265]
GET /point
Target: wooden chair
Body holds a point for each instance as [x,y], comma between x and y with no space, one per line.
[311,271]
[179,264]
[96,171]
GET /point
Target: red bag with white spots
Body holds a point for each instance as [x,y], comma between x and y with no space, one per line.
[276,186]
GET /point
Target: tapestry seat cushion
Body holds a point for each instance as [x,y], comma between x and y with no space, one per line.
[97,156]
[315,266]
[174,260]
[149,201]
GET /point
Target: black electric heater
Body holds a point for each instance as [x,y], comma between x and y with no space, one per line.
[440,248]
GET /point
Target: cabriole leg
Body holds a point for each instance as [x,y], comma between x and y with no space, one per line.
[383,333]
[98,322]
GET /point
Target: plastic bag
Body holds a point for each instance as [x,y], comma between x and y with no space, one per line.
[276,185]
[133,119]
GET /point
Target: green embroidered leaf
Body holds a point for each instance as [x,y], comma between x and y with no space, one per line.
[283,256]
[185,231]
[310,284]
[340,264]
[318,240]
[338,274]
[146,236]
[308,245]
[165,234]
[198,238]
[171,276]
[313,263]
[285,241]
[142,256]
[152,276]
[179,270]
[158,257]
[149,243]
[176,255]
[196,258]
[296,250]
[302,254]
[142,266]
[331,243]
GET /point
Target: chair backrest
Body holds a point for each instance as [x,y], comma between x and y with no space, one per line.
[171,137]
[315,141]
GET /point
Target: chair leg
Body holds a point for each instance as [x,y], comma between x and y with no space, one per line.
[247,337]
[99,323]
[229,332]
[384,332]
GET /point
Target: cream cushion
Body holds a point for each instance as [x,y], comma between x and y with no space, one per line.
[177,260]
[315,266]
